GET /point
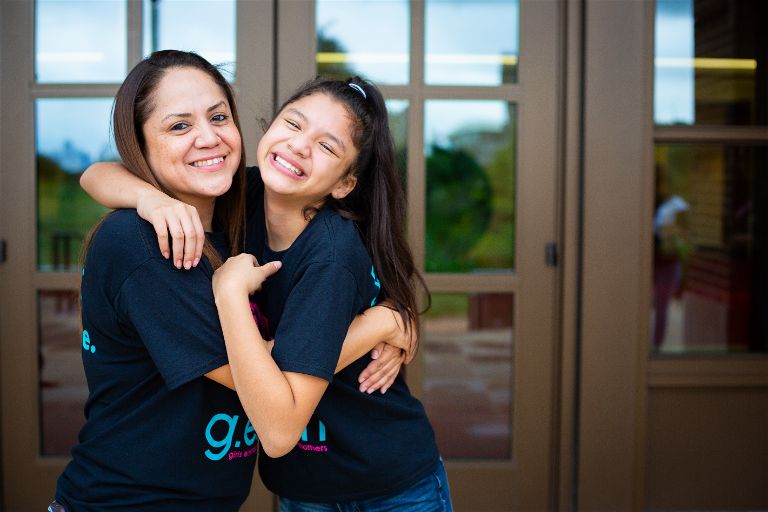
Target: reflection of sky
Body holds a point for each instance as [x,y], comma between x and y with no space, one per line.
[80,41]
[674,85]
[203,26]
[474,115]
[85,123]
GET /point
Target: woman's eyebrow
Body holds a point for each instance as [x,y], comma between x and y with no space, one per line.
[188,114]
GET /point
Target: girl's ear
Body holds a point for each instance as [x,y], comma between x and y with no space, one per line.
[344,186]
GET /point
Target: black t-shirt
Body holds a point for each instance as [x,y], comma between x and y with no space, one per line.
[159,436]
[356,445]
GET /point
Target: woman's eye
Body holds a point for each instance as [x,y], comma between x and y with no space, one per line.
[220,118]
[179,127]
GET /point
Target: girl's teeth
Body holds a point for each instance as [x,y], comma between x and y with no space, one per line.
[205,163]
[288,166]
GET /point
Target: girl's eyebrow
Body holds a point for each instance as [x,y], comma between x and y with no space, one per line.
[188,114]
[333,138]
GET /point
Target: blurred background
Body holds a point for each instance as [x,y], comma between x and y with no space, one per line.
[583,182]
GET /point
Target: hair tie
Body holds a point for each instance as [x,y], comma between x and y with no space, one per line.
[359,89]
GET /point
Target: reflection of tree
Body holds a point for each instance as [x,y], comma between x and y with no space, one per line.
[65,212]
[338,70]
[458,208]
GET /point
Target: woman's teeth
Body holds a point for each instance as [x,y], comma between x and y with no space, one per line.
[288,166]
[206,163]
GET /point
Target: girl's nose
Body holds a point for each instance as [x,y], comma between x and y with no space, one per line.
[299,145]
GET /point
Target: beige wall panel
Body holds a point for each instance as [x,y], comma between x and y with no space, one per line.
[617,156]
[707,449]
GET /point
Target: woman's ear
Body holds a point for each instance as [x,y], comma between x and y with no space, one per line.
[344,186]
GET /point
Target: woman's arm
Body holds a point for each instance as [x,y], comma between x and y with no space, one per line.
[376,330]
[112,185]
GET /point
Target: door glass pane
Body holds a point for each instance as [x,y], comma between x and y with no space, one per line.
[206,27]
[80,41]
[369,38]
[397,111]
[471,167]
[468,373]
[472,42]
[63,389]
[710,250]
[71,134]
[708,61]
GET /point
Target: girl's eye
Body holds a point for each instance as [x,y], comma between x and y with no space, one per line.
[179,127]
[328,148]
[220,118]
[292,124]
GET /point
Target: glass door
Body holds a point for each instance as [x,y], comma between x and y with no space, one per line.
[69,59]
[471,88]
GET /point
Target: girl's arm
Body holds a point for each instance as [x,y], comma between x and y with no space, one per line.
[278,403]
[112,185]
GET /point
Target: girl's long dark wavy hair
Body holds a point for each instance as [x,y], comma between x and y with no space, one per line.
[134,104]
[377,203]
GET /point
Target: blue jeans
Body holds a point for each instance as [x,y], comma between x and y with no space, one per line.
[430,494]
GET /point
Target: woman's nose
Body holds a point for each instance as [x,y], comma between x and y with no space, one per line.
[207,137]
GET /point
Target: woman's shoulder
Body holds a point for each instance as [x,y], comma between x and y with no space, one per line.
[125,235]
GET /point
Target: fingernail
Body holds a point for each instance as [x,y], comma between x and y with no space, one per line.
[370,391]
[197,260]
[166,255]
[187,265]
[375,354]
[362,389]
[178,263]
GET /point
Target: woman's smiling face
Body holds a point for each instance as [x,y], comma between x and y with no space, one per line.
[192,143]
[307,151]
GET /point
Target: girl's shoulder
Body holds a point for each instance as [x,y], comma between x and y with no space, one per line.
[343,241]
[123,236]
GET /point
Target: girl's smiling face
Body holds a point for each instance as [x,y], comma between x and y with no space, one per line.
[307,151]
[192,143]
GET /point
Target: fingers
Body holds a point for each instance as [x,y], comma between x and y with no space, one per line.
[377,350]
[269,268]
[383,377]
[161,228]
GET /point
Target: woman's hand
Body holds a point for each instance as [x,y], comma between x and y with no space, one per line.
[180,220]
[398,335]
[382,371]
[242,274]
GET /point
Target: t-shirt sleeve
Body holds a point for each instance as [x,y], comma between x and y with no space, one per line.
[174,314]
[315,319]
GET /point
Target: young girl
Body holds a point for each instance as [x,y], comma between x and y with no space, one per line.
[333,216]
[329,208]
[161,432]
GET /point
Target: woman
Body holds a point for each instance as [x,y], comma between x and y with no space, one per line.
[329,211]
[162,432]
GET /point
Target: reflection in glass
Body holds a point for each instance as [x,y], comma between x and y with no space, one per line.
[397,111]
[80,41]
[471,167]
[710,250]
[708,60]
[472,42]
[206,27]
[63,390]
[71,134]
[467,348]
[369,38]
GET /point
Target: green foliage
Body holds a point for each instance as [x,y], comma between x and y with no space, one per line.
[458,209]
[65,214]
